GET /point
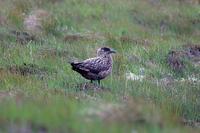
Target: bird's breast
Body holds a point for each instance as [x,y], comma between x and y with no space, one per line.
[105,73]
[107,63]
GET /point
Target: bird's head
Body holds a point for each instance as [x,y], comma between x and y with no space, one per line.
[105,51]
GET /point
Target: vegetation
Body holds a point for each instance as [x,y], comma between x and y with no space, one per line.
[40,93]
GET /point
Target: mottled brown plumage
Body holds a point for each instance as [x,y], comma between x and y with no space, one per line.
[96,68]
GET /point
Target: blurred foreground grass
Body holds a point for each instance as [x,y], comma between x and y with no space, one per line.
[40,93]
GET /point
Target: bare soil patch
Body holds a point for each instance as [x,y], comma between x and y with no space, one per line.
[175,57]
[91,86]
[28,69]
[130,111]
[91,36]
[53,53]
[129,39]
[22,37]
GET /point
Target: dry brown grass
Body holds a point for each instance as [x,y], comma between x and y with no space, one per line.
[3,20]
[130,111]
[190,1]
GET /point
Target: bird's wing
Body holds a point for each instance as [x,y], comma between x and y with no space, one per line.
[94,65]
[77,66]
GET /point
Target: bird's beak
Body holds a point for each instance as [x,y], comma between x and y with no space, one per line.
[113,51]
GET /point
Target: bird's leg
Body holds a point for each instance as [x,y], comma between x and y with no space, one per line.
[99,82]
[91,81]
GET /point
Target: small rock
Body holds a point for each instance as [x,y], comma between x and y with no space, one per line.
[132,76]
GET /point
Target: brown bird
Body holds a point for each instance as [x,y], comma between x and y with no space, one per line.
[96,68]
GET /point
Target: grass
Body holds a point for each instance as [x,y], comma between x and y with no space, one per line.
[52,101]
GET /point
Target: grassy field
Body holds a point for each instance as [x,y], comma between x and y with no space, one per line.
[40,93]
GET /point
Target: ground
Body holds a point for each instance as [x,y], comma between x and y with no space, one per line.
[154,86]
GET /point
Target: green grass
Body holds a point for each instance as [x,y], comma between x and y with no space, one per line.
[53,102]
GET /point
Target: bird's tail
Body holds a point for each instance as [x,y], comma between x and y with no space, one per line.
[76,66]
[73,64]
[73,61]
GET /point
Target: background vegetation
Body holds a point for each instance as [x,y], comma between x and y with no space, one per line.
[150,90]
